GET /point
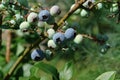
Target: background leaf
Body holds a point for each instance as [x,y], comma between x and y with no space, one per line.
[20,49]
[48,69]
[107,76]
[67,72]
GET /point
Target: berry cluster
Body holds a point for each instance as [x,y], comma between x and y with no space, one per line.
[59,38]
[43,17]
[83,12]
[56,38]
[44,21]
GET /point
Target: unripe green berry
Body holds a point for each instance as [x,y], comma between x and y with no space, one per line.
[2,6]
[55,10]
[40,24]
[48,54]
[24,25]
[99,6]
[84,13]
[12,22]
[18,16]
[51,44]
[78,39]
[50,32]
[114,7]
[32,9]
[31,17]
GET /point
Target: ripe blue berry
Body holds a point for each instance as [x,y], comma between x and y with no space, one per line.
[37,55]
[58,37]
[44,15]
[70,33]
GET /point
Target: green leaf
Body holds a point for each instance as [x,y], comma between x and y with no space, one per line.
[48,69]
[26,69]
[1,75]
[33,72]
[44,78]
[107,76]
[20,49]
[8,66]
[23,3]
[4,27]
[67,72]
[23,78]
[34,78]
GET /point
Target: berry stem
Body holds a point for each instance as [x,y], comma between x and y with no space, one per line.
[87,36]
[66,16]
[20,6]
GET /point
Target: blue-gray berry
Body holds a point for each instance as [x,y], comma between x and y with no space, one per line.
[58,37]
[70,33]
[44,15]
[37,55]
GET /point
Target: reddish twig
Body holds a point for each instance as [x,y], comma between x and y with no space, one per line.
[0,30]
[8,43]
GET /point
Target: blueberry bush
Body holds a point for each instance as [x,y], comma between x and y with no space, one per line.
[59,40]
